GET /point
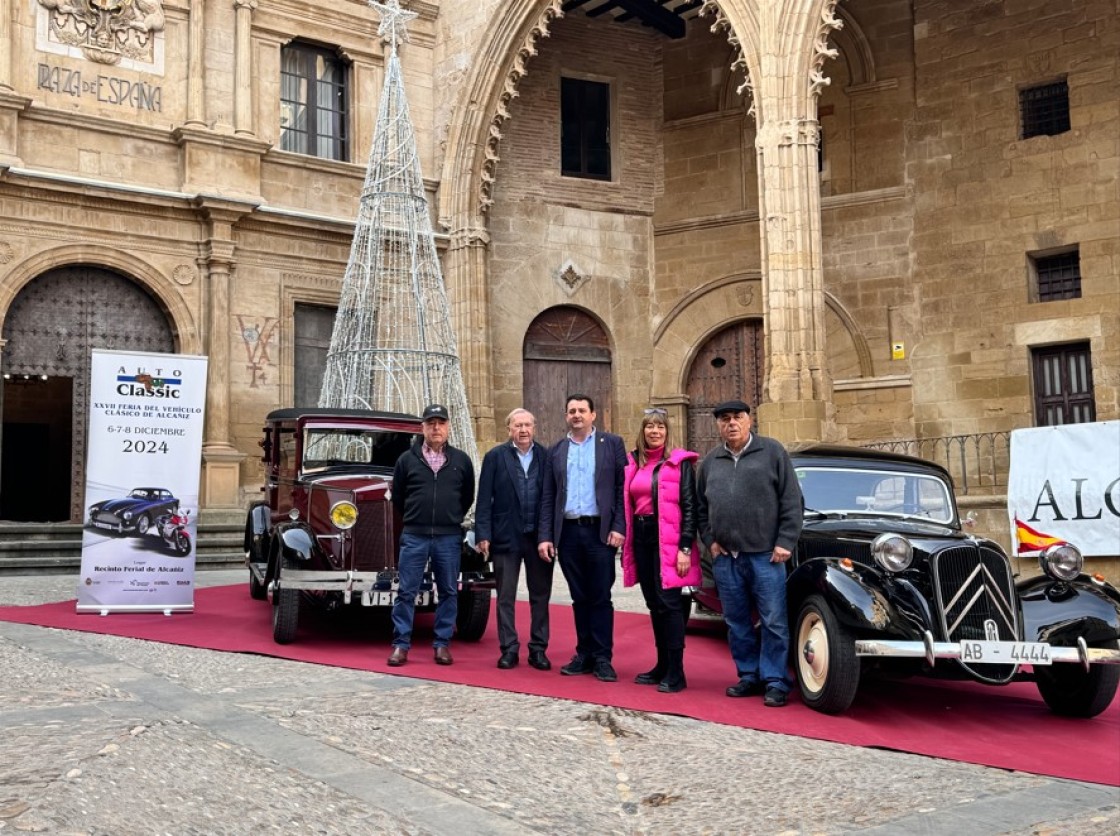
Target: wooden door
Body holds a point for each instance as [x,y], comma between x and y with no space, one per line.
[728,366]
[565,351]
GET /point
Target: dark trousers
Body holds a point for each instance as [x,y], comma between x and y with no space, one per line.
[538,579]
[588,567]
[664,605]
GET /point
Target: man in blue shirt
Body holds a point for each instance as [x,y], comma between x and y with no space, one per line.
[582,522]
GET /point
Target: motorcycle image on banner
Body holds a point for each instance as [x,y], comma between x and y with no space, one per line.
[146,415]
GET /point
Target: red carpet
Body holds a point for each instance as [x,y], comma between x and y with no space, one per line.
[1007,727]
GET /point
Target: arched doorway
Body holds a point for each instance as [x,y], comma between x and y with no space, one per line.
[729,365]
[565,351]
[49,330]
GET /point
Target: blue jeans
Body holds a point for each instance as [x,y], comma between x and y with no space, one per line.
[415,552]
[746,581]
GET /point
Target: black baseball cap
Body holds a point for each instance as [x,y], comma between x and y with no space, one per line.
[435,410]
[731,406]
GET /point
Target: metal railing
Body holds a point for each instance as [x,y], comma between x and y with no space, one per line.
[977,461]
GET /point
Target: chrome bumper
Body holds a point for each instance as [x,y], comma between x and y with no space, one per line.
[931,650]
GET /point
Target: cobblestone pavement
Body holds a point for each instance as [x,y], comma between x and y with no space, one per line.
[106,735]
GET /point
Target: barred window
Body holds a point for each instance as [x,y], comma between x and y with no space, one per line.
[313,102]
[585,129]
[1044,110]
[1057,276]
[1063,385]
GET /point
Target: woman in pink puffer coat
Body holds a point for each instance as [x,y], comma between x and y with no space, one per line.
[659,492]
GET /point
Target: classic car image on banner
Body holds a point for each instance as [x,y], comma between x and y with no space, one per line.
[145,443]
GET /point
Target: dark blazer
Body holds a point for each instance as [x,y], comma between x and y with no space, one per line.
[610,462]
[498,515]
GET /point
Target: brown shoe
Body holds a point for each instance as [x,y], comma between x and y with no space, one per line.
[398,657]
[443,656]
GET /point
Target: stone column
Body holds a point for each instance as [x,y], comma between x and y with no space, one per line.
[6,47]
[196,35]
[243,67]
[221,460]
[465,271]
[799,389]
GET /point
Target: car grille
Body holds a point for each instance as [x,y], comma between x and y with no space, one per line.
[975,594]
[375,547]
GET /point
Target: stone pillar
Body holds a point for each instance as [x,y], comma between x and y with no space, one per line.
[221,460]
[465,271]
[6,47]
[799,389]
[243,67]
[196,35]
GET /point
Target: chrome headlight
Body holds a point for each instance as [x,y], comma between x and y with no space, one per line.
[893,552]
[127,515]
[1062,562]
[344,514]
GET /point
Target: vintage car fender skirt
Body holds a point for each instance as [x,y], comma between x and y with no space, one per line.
[825,658]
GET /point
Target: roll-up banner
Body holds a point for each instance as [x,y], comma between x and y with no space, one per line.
[144,454]
[1064,486]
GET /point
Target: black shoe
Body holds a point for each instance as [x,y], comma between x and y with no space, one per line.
[604,672]
[508,660]
[672,686]
[538,660]
[578,665]
[650,677]
[744,689]
[775,698]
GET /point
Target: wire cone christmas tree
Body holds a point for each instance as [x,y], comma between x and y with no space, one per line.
[393,347]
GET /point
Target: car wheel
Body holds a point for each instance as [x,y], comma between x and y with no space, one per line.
[1072,692]
[285,613]
[255,553]
[143,524]
[826,661]
[257,590]
[474,613]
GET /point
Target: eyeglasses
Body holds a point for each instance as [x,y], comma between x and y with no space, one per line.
[655,410]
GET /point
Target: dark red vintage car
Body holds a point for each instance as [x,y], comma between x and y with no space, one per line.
[326,533]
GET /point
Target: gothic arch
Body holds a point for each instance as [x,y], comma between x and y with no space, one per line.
[182,320]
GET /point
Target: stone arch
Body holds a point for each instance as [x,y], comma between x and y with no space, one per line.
[183,324]
[854,48]
[854,332]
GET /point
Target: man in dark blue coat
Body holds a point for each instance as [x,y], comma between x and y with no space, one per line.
[505,529]
[582,521]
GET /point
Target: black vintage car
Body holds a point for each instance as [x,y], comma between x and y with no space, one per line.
[884,580]
[135,512]
[326,533]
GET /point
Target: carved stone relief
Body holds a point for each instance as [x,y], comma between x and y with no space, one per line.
[106,31]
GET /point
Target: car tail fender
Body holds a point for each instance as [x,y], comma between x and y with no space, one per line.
[856,602]
[1060,612]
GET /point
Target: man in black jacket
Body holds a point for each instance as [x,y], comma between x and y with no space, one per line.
[433,488]
[505,528]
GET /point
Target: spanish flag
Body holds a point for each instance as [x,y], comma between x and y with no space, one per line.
[1031,540]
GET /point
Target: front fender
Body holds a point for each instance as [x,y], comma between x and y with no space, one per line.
[296,543]
[256,527]
[856,597]
[1059,613]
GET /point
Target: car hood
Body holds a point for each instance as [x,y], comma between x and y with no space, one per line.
[116,506]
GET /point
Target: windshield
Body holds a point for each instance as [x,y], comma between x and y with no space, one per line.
[334,447]
[879,492]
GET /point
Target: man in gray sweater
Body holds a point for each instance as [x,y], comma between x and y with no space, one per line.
[749,509]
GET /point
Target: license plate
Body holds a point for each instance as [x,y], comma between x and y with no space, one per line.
[1006,653]
[97,524]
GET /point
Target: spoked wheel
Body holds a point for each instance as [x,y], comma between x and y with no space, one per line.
[143,524]
[1072,692]
[827,665]
[473,614]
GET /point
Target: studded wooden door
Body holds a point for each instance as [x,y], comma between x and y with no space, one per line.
[728,366]
[49,332]
[565,351]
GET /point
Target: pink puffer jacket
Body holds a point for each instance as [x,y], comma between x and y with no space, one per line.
[668,482]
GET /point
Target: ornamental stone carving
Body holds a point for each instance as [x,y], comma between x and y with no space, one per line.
[106,31]
[184,274]
[517,71]
[571,278]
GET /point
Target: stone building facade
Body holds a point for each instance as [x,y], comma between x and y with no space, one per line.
[868,218]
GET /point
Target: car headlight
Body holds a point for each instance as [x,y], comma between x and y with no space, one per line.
[127,515]
[344,514]
[892,551]
[1062,562]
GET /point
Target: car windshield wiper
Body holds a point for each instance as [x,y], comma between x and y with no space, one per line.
[824,515]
